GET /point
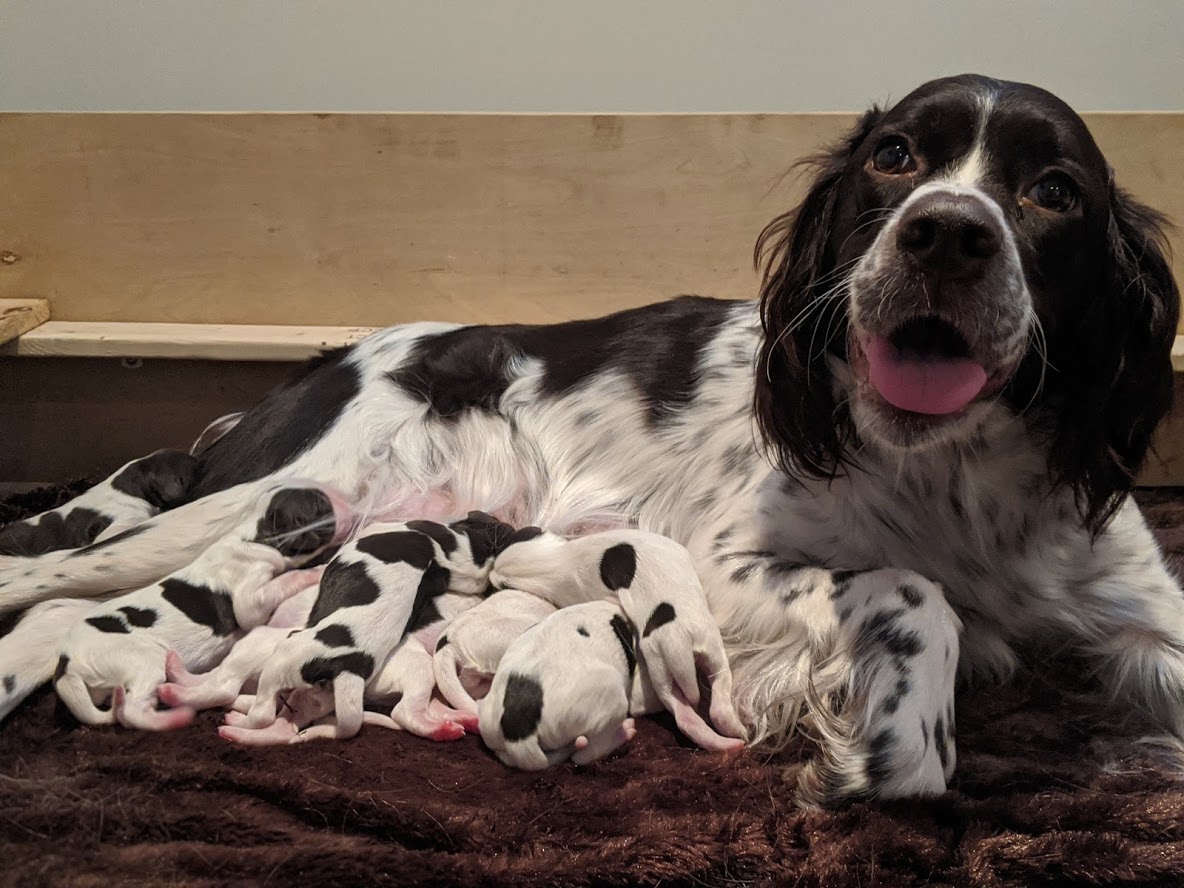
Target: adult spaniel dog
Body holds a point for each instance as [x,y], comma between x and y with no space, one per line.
[912,457]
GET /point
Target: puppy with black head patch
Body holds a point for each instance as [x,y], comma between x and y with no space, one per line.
[566,689]
[372,590]
[654,578]
[119,649]
[467,655]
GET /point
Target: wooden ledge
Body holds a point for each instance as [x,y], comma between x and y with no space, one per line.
[211,342]
[19,316]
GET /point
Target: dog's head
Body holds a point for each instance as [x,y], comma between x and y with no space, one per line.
[963,256]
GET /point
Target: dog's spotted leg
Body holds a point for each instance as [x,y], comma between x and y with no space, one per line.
[167,542]
[134,492]
[865,664]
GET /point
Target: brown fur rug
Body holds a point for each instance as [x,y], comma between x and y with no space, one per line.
[1051,789]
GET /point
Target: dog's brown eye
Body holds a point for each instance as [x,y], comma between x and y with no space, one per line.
[893,158]
[1054,192]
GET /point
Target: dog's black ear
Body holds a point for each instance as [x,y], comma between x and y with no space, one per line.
[793,399]
[1116,366]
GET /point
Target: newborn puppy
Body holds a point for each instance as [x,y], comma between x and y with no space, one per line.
[370,592]
[563,689]
[404,685]
[197,611]
[241,667]
[137,491]
[121,645]
[655,580]
[29,647]
[467,655]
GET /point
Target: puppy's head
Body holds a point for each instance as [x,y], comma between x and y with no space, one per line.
[961,257]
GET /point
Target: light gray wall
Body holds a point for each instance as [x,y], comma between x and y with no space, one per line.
[574,55]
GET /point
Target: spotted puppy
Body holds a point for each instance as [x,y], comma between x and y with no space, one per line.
[370,592]
[118,650]
[137,491]
[241,667]
[565,689]
[467,656]
[655,580]
[403,685]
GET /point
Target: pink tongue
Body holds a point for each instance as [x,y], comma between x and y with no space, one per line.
[922,384]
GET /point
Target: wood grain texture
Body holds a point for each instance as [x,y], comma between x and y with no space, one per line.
[19,316]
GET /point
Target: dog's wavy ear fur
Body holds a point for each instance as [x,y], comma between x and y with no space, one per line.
[794,402]
[1113,365]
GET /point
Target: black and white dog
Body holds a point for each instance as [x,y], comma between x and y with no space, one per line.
[922,437]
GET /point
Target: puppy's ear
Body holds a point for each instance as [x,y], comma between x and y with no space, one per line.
[793,400]
[1119,384]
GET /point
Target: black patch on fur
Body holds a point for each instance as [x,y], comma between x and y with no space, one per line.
[911,594]
[662,614]
[583,631]
[109,623]
[879,754]
[939,742]
[325,669]
[625,631]
[346,584]
[298,521]
[438,533]
[52,532]
[405,546]
[9,684]
[161,479]
[522,534]
[523,707]
[112,540]
[285,424]
[892,701]
[842,580]
[60,669]
[488,537]
[336,635]
[618,565]
[432,584]
[443,640]
[657,348]
[140,617]
[881,630]
[201,605]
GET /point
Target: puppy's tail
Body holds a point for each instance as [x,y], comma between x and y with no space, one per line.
[348,692]
[73,692]
[447,669]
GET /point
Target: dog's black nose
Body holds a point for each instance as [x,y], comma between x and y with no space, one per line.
[952,235]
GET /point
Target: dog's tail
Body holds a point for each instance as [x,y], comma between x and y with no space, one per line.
[447,669]
[74,693]
[348,692]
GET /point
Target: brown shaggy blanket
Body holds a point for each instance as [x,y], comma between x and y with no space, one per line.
[1052,788]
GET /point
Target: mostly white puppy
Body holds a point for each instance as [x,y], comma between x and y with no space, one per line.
[656,583]
[467,655]
[566,689]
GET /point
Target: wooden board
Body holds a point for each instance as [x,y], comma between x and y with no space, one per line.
[19,316]
[376,219]
[215,342]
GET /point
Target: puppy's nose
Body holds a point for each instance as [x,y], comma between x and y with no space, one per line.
[952,235]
